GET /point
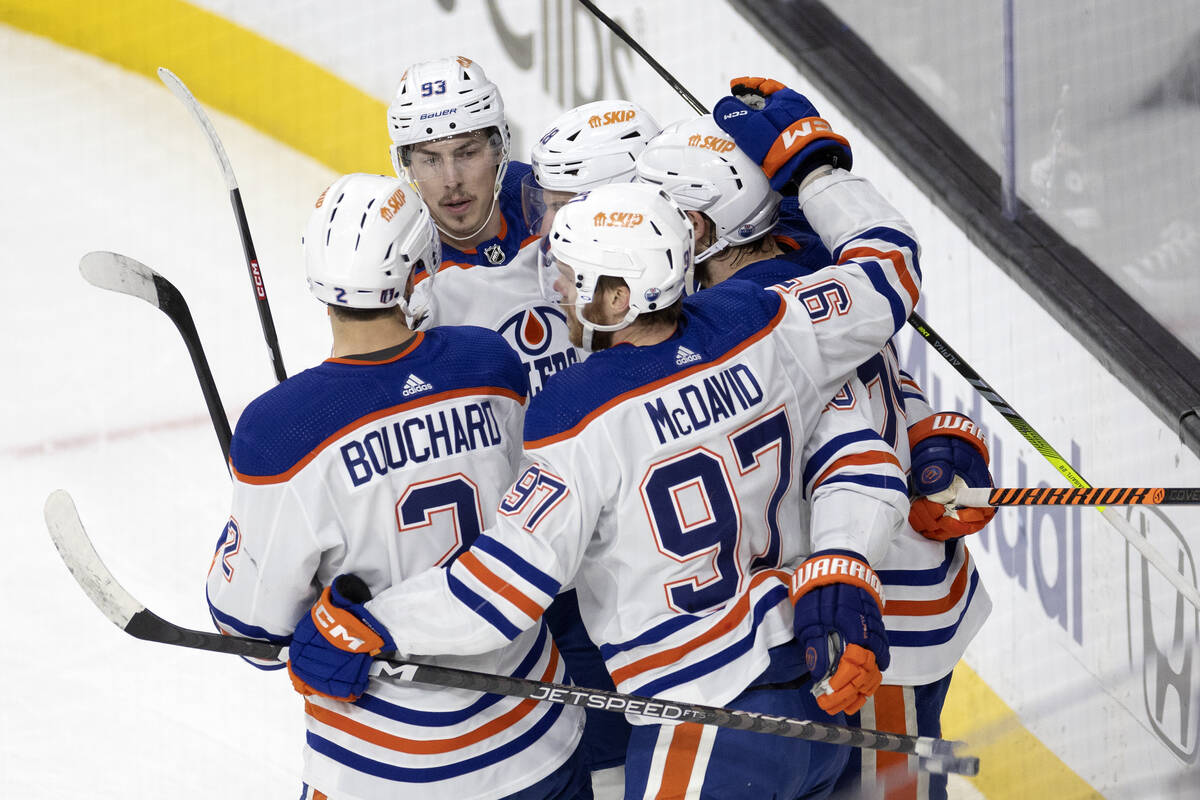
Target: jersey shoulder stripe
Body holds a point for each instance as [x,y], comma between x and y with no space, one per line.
[867,459]
[717,324]
[530,574]
[285,428]
[482,607]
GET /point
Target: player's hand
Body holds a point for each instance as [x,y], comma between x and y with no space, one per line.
[948,453]
[332,647]
[838,622]
[780,129]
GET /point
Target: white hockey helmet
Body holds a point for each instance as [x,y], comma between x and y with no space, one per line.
[703,170]
[364,238]
[630,231]
[586,147]
[443,98]
[592,145]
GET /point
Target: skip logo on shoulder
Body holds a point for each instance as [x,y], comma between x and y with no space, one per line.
[685,356]
[414,385]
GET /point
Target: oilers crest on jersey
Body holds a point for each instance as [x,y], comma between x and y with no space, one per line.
[473,288]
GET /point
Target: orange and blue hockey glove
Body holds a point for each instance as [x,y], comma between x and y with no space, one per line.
[838,621]
[948,453]
[781,130]
[333,645]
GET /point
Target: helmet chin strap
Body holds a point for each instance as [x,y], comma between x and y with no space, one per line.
[486,220]
[591,328]
[716,247]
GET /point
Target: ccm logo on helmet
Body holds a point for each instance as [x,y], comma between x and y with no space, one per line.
[617,219]
[610,117]
[715,143]
[393,204]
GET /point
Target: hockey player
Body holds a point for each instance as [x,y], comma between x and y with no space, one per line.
[935,601]
[450,139]
[385,460]
[586,147]
[650,482]
[590,145]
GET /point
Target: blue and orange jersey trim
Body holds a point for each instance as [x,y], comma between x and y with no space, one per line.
[493,391]
[658,384]
[416,342]
[435,746]
[729,621]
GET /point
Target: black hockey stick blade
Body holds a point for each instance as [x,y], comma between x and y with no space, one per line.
[180,90]
[127,613]
[126,275]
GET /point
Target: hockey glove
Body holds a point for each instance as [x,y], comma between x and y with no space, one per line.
[838,622]
[333,645]
[781,130]
[948,453]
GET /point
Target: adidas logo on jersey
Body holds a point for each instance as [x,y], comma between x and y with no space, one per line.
[414,385]
[685,356]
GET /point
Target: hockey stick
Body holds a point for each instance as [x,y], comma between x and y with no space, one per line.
[1092,496]
[78,553]
[119,273]
[1121,525]
[178,89]
[629,40]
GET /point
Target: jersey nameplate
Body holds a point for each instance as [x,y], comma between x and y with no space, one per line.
[437,434]
[694,406]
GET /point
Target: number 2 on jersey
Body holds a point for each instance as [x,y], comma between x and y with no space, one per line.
[454,495]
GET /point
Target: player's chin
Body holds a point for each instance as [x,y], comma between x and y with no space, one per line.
[463,224]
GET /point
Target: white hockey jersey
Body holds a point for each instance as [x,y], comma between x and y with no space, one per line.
[495,285]
[384,469]
[662,480]
[936,602]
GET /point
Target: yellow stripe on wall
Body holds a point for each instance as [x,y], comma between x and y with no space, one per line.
[1013,763]
[226,67]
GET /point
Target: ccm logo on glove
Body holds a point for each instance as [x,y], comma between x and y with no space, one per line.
[802,131]
[343,639]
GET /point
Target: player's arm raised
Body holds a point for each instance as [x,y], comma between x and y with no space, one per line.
[865,297]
